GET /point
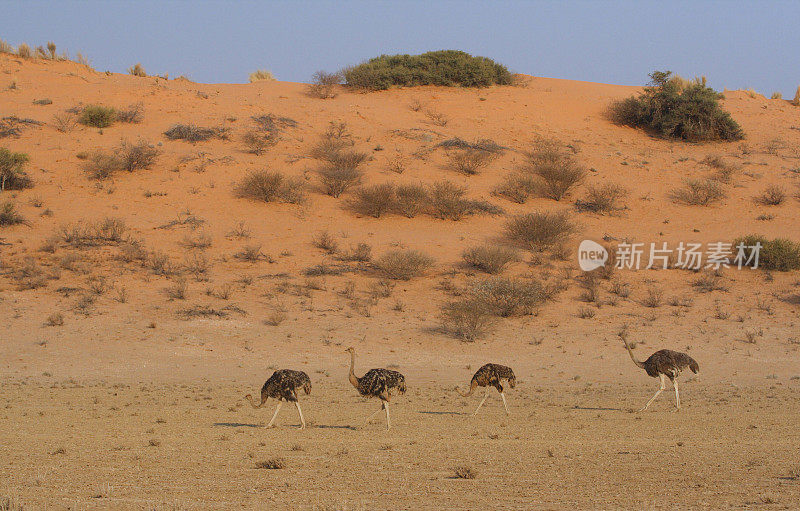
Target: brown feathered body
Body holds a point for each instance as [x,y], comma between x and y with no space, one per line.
[381,383]
[669,363]
[492,375]
[283,385]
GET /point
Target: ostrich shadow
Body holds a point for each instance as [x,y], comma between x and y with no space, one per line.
[237,425]
[597,408]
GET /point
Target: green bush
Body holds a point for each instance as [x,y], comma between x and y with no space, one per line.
[778,254]
[98,116]
[12,170]
[446,67]
[674,108]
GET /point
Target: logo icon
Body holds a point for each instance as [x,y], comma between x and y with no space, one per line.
[591,255]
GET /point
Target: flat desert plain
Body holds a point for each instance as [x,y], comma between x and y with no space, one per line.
[125,356]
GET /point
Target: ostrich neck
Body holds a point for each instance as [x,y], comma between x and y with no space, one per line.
[630,352]
[352,376]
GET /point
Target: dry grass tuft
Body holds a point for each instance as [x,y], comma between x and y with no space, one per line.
[272,464]
[698,192]
[137,70]
[603,199]
[491,259]
[271,186]
[773,195]
[404,264]
[323,85]
[540,230]
[374,200]
[260,75]
[192,133]
[465,472]
[470,161]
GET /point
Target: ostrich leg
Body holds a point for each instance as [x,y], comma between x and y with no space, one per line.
[659,391]
[388,422]
[504,403]
[482,401]
[383,403]
[275,414]
[677,395]
[299,411]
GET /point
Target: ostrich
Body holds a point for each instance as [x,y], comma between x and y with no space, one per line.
[380,383]
[663,363]
[491,375]
[283,385]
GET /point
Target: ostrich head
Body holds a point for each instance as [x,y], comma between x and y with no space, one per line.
[512,382]
[350,350]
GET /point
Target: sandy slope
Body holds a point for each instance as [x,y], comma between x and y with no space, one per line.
[143,351]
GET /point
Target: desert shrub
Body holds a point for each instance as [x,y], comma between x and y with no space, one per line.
[374,200]
[539,230]
[556,170]
[470,161]
[403,264]
[257,141]
[9,214]
[323,85]
[445,67]
[323,240]
[24,51]
[137,70]
[260,76]
[251,253]
[12,170]
[517,187]
[796,100]
[270,186]
[106,231]
[669,108]
[127,157]
[134,114]
[773,195]
[602,199]
[483,144]
[411,200]
[778,254]
[446,201]
[362,252]
[65,121]
[6,48]
[97,116]
[192,133]
[467,319]
[490,258]
[506,297]
[338,179]
[698,192]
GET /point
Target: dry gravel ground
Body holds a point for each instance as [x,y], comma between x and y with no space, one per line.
[72,445]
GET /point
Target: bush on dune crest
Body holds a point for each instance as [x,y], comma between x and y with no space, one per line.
[674,108]
[445,67]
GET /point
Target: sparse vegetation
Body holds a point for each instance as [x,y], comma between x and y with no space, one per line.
[403,264]
[465,472]
[539,230]
[446,67]
[699,192]
[411,200]
[324,241]
[272,464]
[773,195]
[677,109]
[271,186]
[137,70]
[192,133]
[470,161]
[467,319]
[134,114]
[261,75]
[602,199]
[374,200]
[557,171]
[12,170]
[127,157]
[9,215]
[778,254]
[97,116]
[257,142]
[323,85]
[490,259]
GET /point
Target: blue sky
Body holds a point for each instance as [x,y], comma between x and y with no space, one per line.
[735,44]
